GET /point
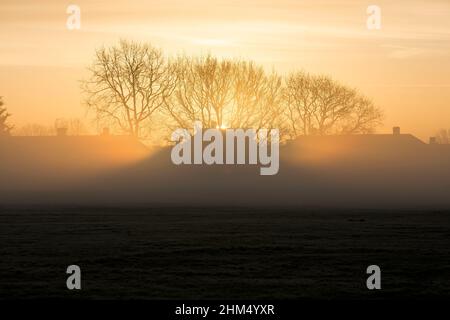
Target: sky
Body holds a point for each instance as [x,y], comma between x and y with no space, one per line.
[404,67]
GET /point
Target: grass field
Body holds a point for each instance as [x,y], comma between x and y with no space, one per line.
[223,253]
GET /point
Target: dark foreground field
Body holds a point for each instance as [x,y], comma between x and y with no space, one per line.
[222,253]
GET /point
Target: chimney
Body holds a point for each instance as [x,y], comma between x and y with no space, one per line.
[396,131]
[61,132]
[105,132]
[433,140]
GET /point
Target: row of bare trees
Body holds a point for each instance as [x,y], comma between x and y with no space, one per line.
[73,126]
[320,105]
[133,87]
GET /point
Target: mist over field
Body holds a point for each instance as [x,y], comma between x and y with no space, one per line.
[365,171]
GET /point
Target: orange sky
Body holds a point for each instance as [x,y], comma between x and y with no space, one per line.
[404,67]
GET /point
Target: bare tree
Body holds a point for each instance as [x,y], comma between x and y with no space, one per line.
[224,93]
[128,84]
[443,136]
[203,91]
[257,98]
[5,128]
[320,105]
[300,98]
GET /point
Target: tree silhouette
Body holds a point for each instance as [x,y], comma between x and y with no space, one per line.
[320,105]
[35,130]
[127,84]
[135,88]
[74,126]
[203,92]
[224,93]
[5,128]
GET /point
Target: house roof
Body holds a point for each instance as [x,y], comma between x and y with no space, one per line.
[68,145]
[63,157]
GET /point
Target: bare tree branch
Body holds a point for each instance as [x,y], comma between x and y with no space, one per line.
[128,83]
[320,105]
